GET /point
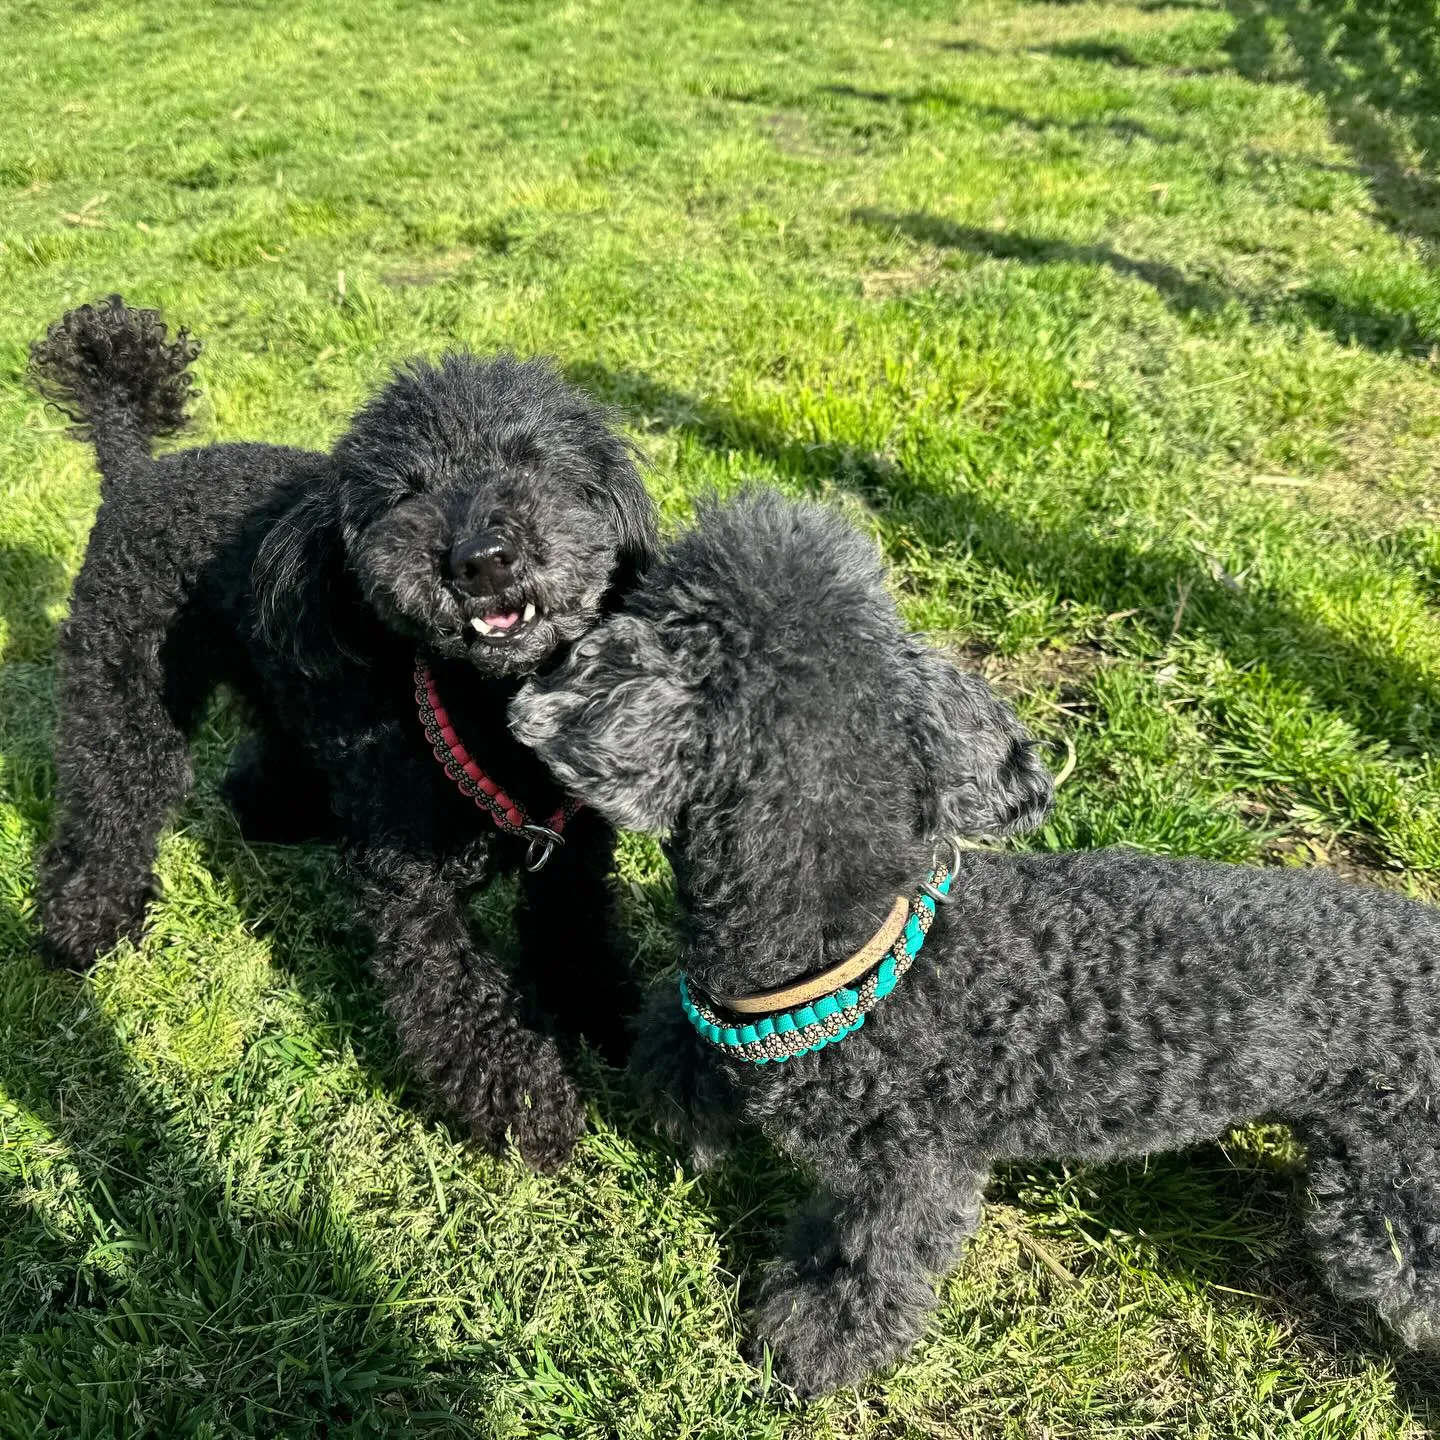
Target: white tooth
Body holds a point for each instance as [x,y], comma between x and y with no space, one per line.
[482,627]
[529,611]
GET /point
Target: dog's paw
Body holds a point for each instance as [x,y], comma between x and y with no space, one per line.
[525,1096]
[705,1142]
[77,929]
[58,955]
[797,1322]
[545,1132]
[825,1329]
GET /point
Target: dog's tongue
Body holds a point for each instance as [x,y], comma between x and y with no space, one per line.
[502,620]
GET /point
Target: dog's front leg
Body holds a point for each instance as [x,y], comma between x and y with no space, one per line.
[675,1074]
[456,1010]
[853,1292]
[569,927]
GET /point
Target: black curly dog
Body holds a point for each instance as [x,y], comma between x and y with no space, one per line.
[480,514]
[759,699]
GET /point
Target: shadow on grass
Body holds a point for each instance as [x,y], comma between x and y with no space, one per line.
[32,582]
[1372,65]
[1376,68]
[1143,5]
[1120,128]
[1221,1225]
[295,900]
[1228,1224]
[1374,327]
[968,47]
[1178,292]
[177,1308]
[1119,55]
[174,1307]
[1382,693]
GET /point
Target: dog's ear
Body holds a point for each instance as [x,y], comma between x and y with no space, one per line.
[981,775]
[621,495]
[298,577]
[616,724]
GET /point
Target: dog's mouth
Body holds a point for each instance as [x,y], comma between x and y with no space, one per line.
[497,624]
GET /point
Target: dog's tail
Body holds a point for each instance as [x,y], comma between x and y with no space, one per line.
[118,377]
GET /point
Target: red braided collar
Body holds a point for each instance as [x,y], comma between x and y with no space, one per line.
[509,815]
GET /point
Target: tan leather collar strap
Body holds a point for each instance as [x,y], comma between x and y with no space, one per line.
[802,992]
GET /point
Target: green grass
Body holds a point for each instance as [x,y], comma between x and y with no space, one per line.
[1118,324]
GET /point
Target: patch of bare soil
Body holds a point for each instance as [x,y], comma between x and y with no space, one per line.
[1296,846]
[791,134]
[429,271]
[1060,675]
[882,284]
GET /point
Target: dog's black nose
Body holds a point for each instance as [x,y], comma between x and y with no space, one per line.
[482,563]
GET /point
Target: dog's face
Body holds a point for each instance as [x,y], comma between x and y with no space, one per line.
[485,509]
[760,680]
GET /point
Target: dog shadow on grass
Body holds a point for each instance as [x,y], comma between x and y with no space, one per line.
[142,1292]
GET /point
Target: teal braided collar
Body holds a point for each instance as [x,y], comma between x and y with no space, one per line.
[784,1035]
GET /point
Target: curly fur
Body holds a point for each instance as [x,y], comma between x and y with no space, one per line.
[104,362]
[307,583]
[1071,1006]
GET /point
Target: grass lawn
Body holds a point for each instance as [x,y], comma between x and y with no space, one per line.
[1119,325]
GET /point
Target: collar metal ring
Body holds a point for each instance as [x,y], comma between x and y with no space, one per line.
[543,841]
[936,894]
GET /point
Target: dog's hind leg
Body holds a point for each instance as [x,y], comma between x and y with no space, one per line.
[569,930]
[127,698]
[854,1292]
[1374,1166]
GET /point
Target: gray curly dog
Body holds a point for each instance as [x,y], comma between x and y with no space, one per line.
[759,699]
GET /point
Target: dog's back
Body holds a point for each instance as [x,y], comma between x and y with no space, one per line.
[1112,1002]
